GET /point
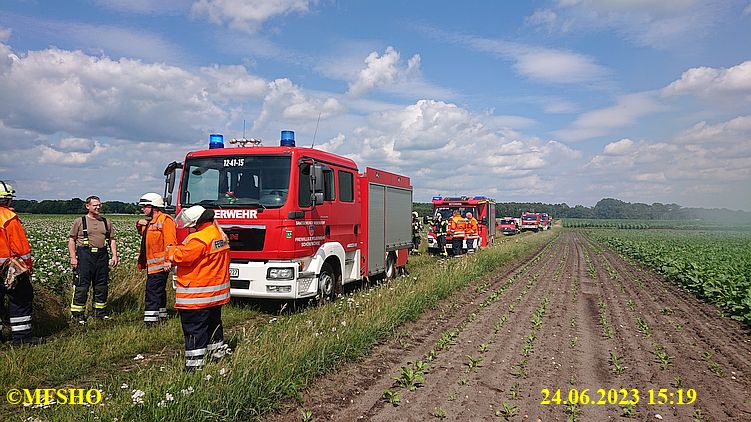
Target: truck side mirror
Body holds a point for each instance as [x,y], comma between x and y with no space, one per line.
[484,221]
[317,175]
[317,198]
[169,181]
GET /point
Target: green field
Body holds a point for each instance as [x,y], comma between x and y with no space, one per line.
[632,224]
[714,265]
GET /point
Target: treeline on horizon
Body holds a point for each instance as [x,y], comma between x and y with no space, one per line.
[610,208]
[607,208]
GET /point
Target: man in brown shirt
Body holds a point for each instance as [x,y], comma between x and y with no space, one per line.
[87,247]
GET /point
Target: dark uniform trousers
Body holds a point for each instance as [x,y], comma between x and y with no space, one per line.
[155,302]
[93,269]
[203,335]
[19,306]
[457,243]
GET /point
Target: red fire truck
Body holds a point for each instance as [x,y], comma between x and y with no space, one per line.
[508,226]
[531,221]
[481,207]
[545,221]
[301,222]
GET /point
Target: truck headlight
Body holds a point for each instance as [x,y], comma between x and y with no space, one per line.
[286,273]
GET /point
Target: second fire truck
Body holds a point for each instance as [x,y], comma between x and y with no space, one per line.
[481,207]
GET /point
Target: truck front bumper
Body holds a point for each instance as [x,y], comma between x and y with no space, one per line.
[251,280]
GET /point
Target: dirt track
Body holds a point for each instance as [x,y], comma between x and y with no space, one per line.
[593,306]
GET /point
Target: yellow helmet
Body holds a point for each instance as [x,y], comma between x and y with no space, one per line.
[6,190]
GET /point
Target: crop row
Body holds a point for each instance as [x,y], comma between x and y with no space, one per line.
[712,265]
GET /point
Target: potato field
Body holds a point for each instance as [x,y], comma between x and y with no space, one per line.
[572,324]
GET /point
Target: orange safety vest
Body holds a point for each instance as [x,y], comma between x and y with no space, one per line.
[472,227]
[458,226]
[13,241]
[160,233]
[202,263]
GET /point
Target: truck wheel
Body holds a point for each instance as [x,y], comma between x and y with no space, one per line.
[390,266]
[326,284]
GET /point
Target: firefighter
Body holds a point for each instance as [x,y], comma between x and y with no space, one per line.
[440,230]
[457,228]
[14,244]
[87,247]
[416,230]
[472,233]
[157,232]
[202,285]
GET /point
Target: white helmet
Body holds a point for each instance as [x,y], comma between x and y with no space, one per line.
[188,217]
[153,199]
[415,214]
[6,190]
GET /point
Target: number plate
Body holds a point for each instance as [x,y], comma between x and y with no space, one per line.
[234,272]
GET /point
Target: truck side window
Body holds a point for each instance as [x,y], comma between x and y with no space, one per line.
[346,186]
[328,185]
[303,191]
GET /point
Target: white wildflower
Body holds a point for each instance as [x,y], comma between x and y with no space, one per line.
[124,386]
[187,391]
[223,372]
[344,323]
[137,396]
[138,357]
[208,377]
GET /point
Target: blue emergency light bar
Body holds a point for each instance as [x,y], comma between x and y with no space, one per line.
[437,198]
[216,141]
[288,138]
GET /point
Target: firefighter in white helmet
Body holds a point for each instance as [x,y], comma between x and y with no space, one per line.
[157,232]
[15,251]
[202,285]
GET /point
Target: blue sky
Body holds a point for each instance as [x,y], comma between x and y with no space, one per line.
[553,101]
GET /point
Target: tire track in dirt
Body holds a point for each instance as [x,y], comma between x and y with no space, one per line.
[547,363]
[443,379]
[729,397]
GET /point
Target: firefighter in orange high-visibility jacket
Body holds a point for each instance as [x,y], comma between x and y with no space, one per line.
[157,232]
[202,286]
[473,235]
[458,229]
[15,245]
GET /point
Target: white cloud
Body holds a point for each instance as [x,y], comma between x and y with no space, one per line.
[5,34]
[544,64]
[713,82]
[382,70]
[69,153]
[662,24]
[543,17]
[624,146]
[627,109]
[290,103]
[248,15]
[434,141]
[734,130]
[234,82]
[55,90]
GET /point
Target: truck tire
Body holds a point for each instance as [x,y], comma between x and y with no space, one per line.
[391,266]
[326,284]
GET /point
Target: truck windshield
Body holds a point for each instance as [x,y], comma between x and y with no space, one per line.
[239,181]
[447,213]
[529,218]
[507,221]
